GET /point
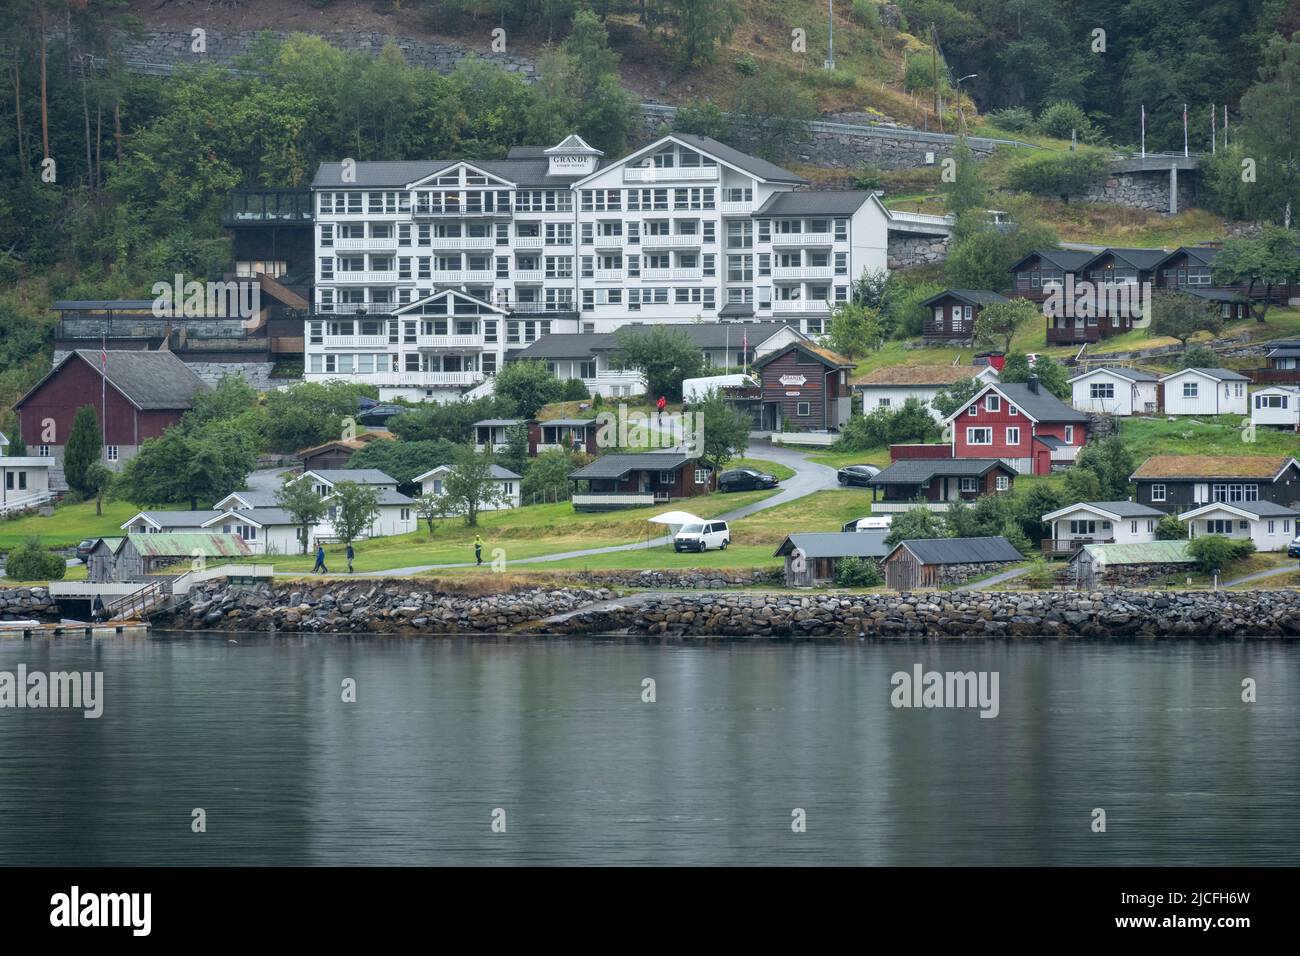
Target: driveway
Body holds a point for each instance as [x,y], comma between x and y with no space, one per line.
[1259,576]
[809,477]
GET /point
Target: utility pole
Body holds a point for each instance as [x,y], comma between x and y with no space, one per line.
[830,36]
[934,68]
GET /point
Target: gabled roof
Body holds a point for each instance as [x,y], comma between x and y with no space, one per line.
[1132,374]
[960,550]
[1196,255]
[836,544]
[1142,259]
[209,544]
[1040,406]
[823,355]
[496,471]
[347,444]
[618,465]
[500,422]
[1067,260]
[362,476]
[921,376]
[915,471]
[151,381]
[1141,552]
[417,307]
[261,517]
[1196,467]
[253,498]
[1218,374]
[1115,510]
[969,296]
[1243,509]
[171,519]
[812,202]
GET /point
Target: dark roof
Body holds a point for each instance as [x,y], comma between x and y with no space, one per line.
[739,309]
[1260,509]
[151,381]
[528,168]
[969,296]
[750,164]
[836,544]
[1284,352]
[616,466]
[823,355]
[1144,259]
[824,202]
[1132,374]
[1222,374]
[1051,441]
[1214,295]
[567,345]
[915,471]
[499,422]
[1041,405]
[567,422]
[1067,260]
[362,476]
[1121,509]
[1200,255]
[961,550]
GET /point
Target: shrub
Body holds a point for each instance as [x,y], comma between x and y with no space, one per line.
[31,562]
[1014,119]
[1042,575]
[1058,175]
[918,75]
[1215,552]
[746,65]
[1169,528]
[858,573]
[1199,356]
[574,391]
[868,178]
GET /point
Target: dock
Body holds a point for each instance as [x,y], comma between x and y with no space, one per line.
[30,629]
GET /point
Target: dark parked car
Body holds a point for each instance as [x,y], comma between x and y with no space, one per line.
[745,479]
[84,549]
[1293,549]
[857,474]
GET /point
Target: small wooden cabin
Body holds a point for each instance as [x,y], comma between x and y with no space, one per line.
[940,562]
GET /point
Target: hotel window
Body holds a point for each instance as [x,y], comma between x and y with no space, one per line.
[1157,492]
[327,267]
[740,235]
[979,436]
[803,409]
[588,300]
[969,485]
[327,235]
[841,263]
[404,234]
[841,229]
[740,268]
[1013,436]
[1003,483]
[489,363]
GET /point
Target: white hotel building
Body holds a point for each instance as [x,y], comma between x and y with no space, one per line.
[430,275]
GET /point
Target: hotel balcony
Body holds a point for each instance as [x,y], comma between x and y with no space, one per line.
[449,341]
[609,242]
[656,275]
[671,242]
[355,341]
[363,278]
[462,242]
[736,208]
[802,239]
[804,272]
[528,275]
[527,242]
[822,306]
[418,379]
[358,308]
[540,308]
[608,275]
[458,211]
[366,245]
[654,174]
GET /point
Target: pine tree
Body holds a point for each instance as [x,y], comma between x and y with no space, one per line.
[83,450]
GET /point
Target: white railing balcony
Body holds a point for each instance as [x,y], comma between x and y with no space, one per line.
[527,242]
[461,242]
[429,211]
[801,305]
[540,308]
[803,238]
[365,245]
[608,274]
[356,341]
[803,272]
[736,208]
[529,275]
[449,341]
[478,275]
[365,278]
[899,507]
[609,242]
[1066,452]
[418,379]
[655,275]
[671,242]
[353,308]
[495,446]
[654,174]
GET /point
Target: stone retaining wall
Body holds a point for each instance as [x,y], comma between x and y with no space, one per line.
[691,578]
[415,607]
[1143,189]
[954,574]
[907,250]
[20,604]
[1143,575]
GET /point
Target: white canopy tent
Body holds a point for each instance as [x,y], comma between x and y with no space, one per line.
[674,520]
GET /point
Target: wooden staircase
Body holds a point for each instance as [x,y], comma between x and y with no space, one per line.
[139,603]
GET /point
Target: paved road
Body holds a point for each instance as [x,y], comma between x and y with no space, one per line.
[808,478]
[1259,576]
[1002,578]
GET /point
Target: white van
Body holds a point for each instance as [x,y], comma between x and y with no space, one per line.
[702,536]
[870,523]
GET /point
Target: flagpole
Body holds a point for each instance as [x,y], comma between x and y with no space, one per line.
[1214,132]
[1184,129]
[1144,132]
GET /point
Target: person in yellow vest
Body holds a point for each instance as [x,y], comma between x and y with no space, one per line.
[478,549]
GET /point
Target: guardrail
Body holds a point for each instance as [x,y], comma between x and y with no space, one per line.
[139,602]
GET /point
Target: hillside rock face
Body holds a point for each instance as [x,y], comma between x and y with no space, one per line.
[414,607]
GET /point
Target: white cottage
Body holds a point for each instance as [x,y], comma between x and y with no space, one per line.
[508,484]
[1100,522]
[26,481]
[264,530]
[891,386]
[1277,406]
[1205,391]
[396,510]
[1269,525]
[1116,391]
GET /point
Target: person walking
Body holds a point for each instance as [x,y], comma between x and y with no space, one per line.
[351,554]
[478,548]
[320,561]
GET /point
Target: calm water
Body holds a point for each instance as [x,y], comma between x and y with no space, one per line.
[555,733]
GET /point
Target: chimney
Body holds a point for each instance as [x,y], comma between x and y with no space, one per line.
[1032,382]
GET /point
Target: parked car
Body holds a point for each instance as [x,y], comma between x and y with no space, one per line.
[702,537]
[84,549]
[745,479]
[1293,549]
[857,474]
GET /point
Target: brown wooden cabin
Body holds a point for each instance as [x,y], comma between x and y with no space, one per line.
[952,314]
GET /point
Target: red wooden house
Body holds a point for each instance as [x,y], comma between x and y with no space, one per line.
[805,387]
[1021,423]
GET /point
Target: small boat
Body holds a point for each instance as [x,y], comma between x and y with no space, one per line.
[18,625]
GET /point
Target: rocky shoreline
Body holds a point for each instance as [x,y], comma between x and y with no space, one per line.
[417,607]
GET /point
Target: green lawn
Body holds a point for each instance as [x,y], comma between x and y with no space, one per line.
[781,472]
[838,459]
[68,525]
[1222,435]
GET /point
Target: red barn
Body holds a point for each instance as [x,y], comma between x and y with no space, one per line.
[135,395]
[1023,424]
